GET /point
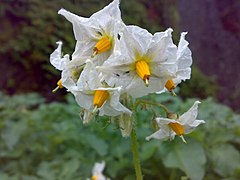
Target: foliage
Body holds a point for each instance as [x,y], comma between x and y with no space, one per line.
[49,141]
[201,85]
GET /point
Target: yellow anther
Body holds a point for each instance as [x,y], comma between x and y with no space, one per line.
[95,177]
[143,71]
[177,128]
[100,97]
[59,86]
[104,44]
[170,85]
[59,83]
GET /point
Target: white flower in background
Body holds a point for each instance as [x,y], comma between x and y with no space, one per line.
[184,61]
[94,94]
[185,124]
[97,172]
[97,35]
[141,63]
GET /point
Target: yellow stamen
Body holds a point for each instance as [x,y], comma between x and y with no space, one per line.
[59,86]
[100,97]
[95,177]
[104,44]
[177,128]
[170,85]
[143,71]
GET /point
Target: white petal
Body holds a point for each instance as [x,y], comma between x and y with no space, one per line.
[114,102]
[163,133]
[191,127]
[190,116]
[111,10]
[162,48]
[73,18]
[81,27]
[140,41]
[89,78]
[184,57]
[84,100]
[98,168]
[164,121]
[56,57]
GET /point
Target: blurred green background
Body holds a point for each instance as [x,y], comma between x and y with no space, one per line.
[41,134]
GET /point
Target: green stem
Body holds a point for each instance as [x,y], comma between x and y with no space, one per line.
[134,148]
[140,101]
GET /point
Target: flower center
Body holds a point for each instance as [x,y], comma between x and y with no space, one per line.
[177,128]
[100,97]
[104,44]
[76,72]
[143,71]
[95,177]
[170,85]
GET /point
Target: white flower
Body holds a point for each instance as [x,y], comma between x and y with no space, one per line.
[96,35]
[141,63]
[94,94]
[97,171]
[185,124]
[71,69]
[184,61]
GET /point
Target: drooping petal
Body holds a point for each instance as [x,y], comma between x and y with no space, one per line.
[163,133]
[184,57]
[56,58]
[115,103]
[191,127]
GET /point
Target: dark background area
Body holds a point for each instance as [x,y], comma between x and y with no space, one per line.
[30,28]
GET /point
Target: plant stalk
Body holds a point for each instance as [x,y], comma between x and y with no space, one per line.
[134,148]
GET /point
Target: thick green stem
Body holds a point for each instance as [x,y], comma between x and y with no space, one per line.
[134,148]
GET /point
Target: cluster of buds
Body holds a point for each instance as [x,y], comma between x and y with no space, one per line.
[112,61]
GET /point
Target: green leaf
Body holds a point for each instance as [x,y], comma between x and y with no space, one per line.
[45,171]
[12,132]
[97,144]
[226,159]
[70,167]
[148,149]
[189,157]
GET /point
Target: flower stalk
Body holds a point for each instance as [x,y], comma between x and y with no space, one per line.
[134,148]
[140,101]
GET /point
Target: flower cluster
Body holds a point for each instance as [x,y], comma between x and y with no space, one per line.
[113,61]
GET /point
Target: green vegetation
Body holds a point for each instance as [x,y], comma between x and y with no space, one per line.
[49,141]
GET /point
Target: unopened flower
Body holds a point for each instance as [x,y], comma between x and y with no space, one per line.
[94,94]
[96,36]
[174,125]
[141,63]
